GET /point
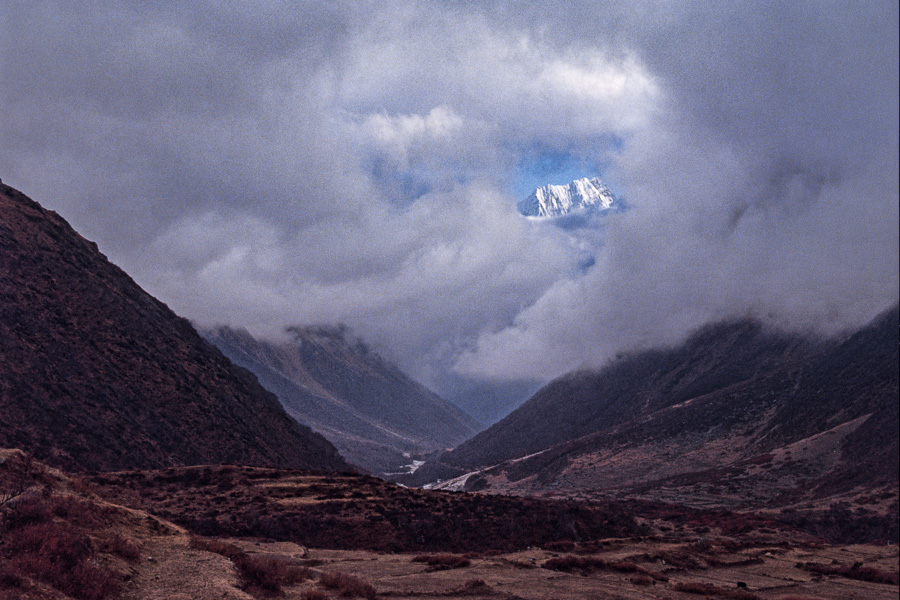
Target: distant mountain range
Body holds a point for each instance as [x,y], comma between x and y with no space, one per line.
[582,195]
[736,416]
[378,418]
[96,374]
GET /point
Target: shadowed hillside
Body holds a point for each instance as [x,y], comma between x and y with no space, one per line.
[97,374]
[377,417]
[734,417]
[586,402]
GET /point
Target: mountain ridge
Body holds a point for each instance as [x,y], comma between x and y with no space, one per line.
[97,374]
[377,416]
[735,416]
[581,195]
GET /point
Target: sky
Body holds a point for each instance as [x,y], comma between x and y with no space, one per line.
[284,163]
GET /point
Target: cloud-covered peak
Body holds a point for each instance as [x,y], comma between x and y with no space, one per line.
[581,195]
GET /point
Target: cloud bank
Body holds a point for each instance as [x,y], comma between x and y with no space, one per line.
[307,162]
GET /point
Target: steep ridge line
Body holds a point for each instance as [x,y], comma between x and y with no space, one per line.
[97,374]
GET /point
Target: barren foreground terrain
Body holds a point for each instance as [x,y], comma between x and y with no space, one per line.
[633,569]
[164,535]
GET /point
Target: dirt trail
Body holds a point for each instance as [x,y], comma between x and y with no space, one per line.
[171,570]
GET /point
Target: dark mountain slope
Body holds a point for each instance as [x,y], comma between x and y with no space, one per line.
[585,402]
[97,374]
[817,427]
[376,415]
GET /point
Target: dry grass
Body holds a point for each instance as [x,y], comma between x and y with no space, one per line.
[261,574]
[442,562]
[855,571]
[347,585]
[56,539]
[58,555]
[569,563]
[121,545]
[356,512]
[706,589]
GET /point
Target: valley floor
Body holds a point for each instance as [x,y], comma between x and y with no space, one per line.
[245,533]
[634,569]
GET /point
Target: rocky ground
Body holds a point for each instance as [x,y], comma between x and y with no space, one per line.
[161,535]
[622,569]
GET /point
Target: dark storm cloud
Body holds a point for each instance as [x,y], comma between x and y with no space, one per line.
[283,163]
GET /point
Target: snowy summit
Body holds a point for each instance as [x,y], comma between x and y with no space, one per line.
[557,200]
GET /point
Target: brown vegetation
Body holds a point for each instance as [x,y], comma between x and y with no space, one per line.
[705,589]
[854,571]
[347,585]
[350,511]
[441,562]
[260,574]
[56,539]
[590,564]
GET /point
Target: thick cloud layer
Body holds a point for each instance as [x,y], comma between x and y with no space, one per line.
[306,162]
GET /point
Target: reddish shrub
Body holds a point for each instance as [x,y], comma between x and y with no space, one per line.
[694,587]
[90,582]
[10,577]
[57,554]
[229,551]
[122,546]
[625,567]
[679,560]
[441,562]
[706,589]
[859,572]
[28,510]
[560,546]
[642,580]
[475,584]
[347,585]
[78,511]
[259,572]
[59,543]
[268,573]
[585,564]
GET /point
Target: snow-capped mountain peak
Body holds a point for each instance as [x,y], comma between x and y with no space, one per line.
[557,200]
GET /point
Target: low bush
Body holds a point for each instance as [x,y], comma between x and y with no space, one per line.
[441,562]
[569,563]
[475,584]
[560,546]
[347,585]
[679,560]
[642,580]
[625,567]
[60,556]
[706,589]
[122,546]
[229,551]
[268,573]
[259,573]
[27,510]
[77,510]
[857,572]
